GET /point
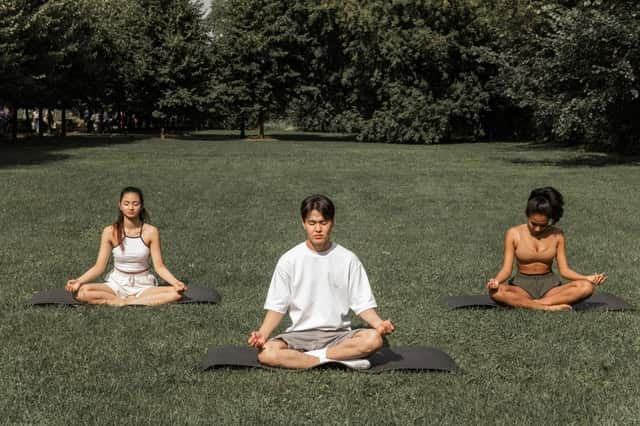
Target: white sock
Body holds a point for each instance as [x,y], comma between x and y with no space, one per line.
[321,354]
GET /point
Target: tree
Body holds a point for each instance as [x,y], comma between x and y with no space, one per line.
[399,71]
[578,70]
[257,48]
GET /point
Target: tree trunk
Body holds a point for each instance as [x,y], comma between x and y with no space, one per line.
[40,126]
[14,124]
[50,120]
[101,122]
[63,122]
[89,123]
[261,124]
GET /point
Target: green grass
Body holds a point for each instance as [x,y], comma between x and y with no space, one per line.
[426,221]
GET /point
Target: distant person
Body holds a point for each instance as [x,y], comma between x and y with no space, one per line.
[535,245]
[131,241]
[35,121]
[317,282]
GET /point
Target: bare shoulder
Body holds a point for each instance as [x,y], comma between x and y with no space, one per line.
[150,228]
[513,233]
[108,234]
[108,231]
[557,233]
[150,233]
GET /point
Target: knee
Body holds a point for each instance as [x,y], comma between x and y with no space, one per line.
[175,296]
[268,356]
[371,341]
[584,287]
[82,294]
[497,294]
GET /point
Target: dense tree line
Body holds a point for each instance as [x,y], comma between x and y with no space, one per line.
[142,60]
[400,71]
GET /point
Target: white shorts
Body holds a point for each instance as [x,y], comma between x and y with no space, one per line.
[124,284]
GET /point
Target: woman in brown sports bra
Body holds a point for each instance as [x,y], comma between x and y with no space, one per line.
[535,245]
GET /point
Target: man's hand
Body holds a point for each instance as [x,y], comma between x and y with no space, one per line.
[256,340]
[385,327]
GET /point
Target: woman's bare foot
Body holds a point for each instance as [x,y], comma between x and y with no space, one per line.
[561,307]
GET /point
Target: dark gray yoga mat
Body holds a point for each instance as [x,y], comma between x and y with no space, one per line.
[598,300]
[59,296]
[386,359]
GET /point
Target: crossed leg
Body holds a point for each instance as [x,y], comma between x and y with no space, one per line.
[155,296]
[517,297]
[102,294]
[99,294]
[570,292]
[360,345]
[276,353]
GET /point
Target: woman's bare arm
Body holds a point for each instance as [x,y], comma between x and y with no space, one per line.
[507,259]
[152,237]
[566,272]
[104,252]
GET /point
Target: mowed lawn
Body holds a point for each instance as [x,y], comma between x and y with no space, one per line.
[426,221]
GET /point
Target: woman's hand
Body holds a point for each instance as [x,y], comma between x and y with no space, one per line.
[493,284]
[73,286]
[180,286]
[597,278]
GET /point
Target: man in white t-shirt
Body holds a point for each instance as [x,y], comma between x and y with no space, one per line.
[317,282]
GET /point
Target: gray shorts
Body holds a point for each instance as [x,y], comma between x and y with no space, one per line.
[309,340]
[536,285]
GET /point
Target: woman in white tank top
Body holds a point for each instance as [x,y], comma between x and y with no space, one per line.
[131,241]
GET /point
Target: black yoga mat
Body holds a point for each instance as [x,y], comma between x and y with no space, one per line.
[598,300]
[386,359]
[59,296]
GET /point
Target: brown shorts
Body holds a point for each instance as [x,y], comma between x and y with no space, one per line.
[536,285]
[309,340]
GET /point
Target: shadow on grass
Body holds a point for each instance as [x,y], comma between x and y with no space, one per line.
[35,150]
[222,135]
[581,160]
[572,157]
[312,137]
[212,137]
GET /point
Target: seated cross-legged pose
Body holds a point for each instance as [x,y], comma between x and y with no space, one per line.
[131,241]
[318,282]
[535,245]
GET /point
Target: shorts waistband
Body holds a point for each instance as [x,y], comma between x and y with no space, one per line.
[131,273]
[535,275]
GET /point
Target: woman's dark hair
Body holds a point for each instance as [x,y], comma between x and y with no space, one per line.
[318,202]
[118,226]
[546,201]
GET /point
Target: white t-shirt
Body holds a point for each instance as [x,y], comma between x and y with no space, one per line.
[318,289]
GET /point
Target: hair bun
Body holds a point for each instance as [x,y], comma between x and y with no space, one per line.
[547,201]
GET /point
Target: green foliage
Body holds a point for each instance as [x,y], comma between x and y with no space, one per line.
[399,71]
[257,48]
[140,56]
[409,72]
[577,67]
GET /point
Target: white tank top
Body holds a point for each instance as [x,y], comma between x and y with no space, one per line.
[135,256]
